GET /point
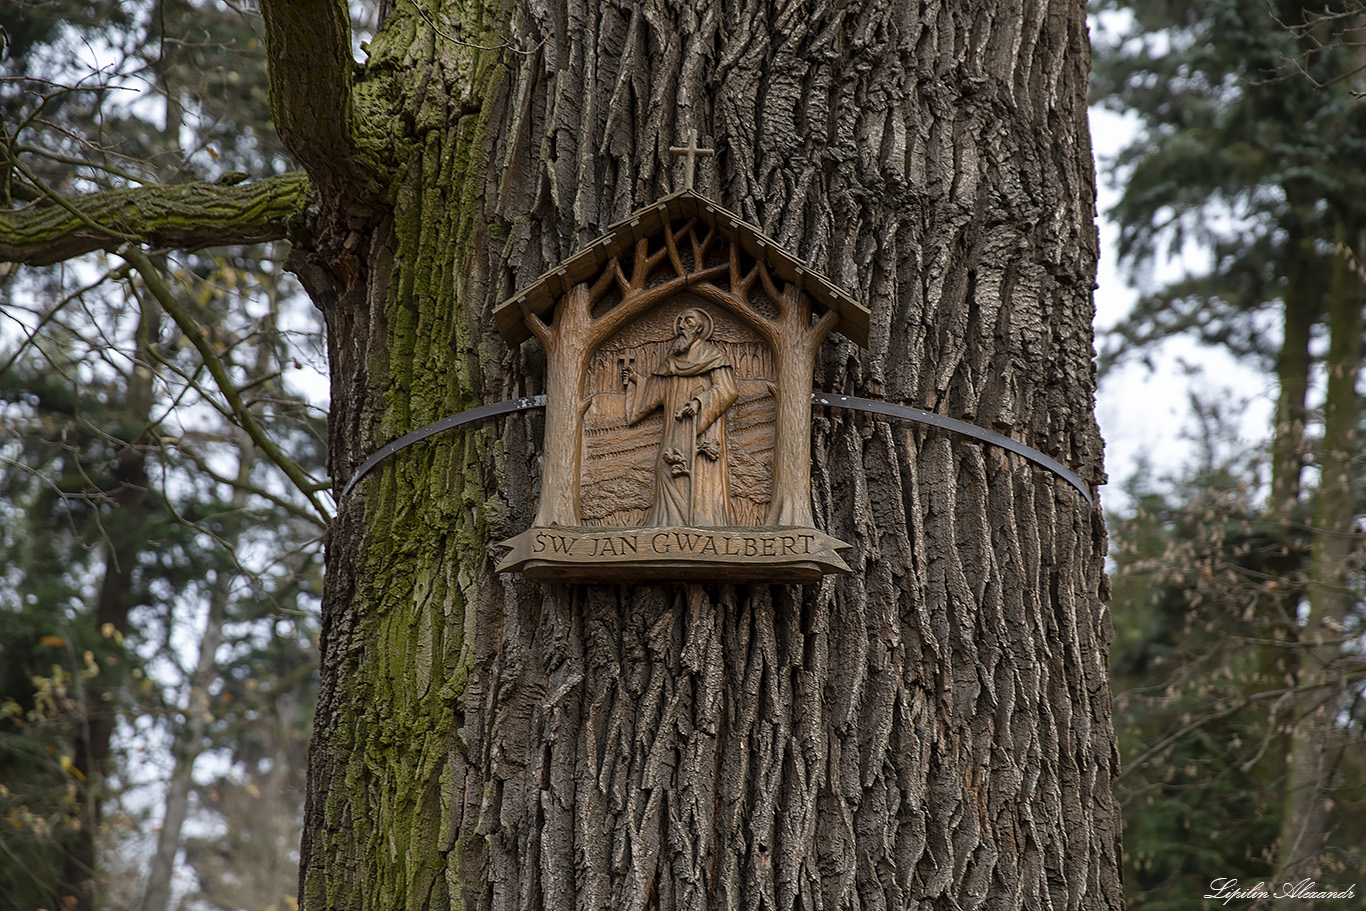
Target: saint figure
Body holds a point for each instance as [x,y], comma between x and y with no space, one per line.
[694,386]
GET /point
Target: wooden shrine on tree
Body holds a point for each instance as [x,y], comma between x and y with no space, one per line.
[680,349]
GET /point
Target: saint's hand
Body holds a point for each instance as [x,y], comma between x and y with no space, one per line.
[690,408]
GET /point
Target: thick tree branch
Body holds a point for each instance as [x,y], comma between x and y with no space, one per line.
[310,78]
[182,217]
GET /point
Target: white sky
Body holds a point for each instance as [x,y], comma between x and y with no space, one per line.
[1143,411]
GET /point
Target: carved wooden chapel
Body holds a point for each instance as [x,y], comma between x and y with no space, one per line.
[680,348]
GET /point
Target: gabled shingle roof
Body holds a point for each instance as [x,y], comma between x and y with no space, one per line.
[541,295]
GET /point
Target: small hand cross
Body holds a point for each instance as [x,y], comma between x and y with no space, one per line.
[692,151]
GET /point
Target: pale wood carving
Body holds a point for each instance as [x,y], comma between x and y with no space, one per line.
[691,150]
[678,398]
[672,553]
[678,437]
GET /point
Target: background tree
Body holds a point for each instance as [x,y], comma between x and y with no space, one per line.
[932,730]
[1251,136]
[1204,700]
[140,523]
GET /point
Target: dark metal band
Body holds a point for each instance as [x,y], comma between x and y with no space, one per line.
[886,409]
[455,420]
[907,413]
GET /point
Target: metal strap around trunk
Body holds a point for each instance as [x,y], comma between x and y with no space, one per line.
[886,409]
[907,413]
[455,420]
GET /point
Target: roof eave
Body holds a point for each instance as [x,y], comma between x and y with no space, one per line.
[541,295]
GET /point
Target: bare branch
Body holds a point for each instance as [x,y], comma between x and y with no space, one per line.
[152,278]
[1308,31]
[32,335]
[1229,708]
[37,152]
[239,484]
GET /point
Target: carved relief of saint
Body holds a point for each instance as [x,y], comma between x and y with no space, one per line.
[694,385]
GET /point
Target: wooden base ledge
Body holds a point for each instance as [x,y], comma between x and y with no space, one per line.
[678,554]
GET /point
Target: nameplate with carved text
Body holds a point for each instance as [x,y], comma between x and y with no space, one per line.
[674,553]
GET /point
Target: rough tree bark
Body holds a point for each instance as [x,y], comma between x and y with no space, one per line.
[184,217]
[932,731]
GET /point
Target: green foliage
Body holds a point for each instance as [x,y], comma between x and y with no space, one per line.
[40,811]
[1207,584]
[1249,150]
[138,524]
[194,536]
[1190,610]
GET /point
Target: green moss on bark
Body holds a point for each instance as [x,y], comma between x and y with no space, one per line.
[184,217]
[426,510]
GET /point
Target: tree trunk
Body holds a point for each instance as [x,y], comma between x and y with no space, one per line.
[1315,738]
[930,732]
[1293,365]
[189,745]
[559,504]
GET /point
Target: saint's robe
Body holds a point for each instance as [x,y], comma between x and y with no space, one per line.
[692,476]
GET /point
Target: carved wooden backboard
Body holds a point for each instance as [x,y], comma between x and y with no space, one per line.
[618,479]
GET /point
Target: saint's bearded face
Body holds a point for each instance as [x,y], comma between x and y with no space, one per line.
[690,328]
